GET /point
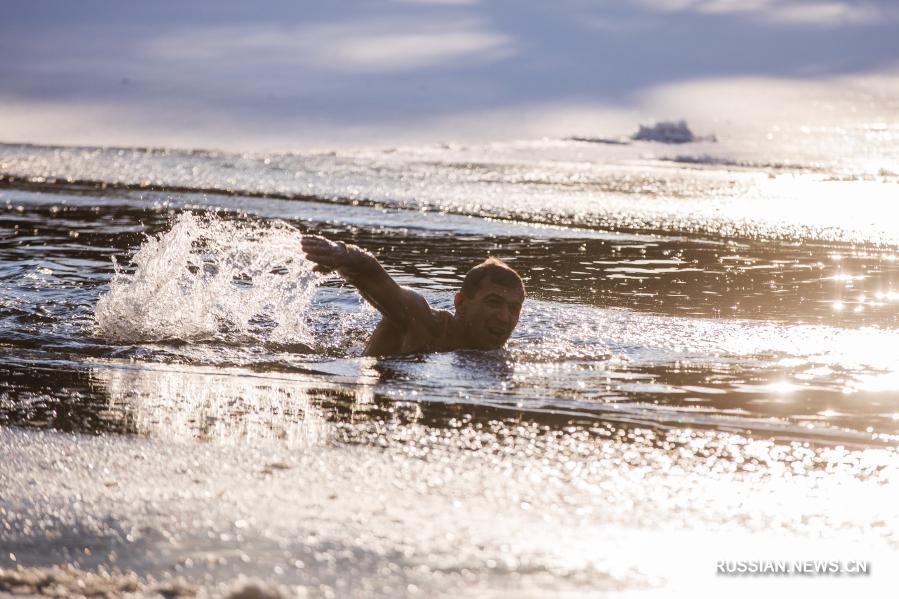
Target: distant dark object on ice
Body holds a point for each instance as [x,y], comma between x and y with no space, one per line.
[707,159]
[599,140]
[669,132]
[666,132]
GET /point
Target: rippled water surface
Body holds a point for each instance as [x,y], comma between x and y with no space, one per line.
[704,359]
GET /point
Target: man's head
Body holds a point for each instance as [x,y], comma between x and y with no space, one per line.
[489,304]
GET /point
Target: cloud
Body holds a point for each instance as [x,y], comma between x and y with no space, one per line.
[352,73]
[787,12]
[741,108]
[360,47]
[828,13]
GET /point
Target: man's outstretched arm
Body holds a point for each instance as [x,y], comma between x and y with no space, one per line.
[364,272]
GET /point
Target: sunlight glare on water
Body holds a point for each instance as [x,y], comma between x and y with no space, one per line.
[223,406]
[547,181]
[680,388]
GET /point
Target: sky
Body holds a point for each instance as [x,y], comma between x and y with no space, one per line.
[285,75]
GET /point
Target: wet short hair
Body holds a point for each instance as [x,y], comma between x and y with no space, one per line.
[491,269]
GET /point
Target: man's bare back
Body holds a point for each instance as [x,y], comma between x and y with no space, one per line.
[487,307]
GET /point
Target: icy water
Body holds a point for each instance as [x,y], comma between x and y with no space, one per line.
[704,370]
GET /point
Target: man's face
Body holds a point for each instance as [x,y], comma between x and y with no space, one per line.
[491,315]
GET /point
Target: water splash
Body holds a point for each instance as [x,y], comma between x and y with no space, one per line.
[210,278]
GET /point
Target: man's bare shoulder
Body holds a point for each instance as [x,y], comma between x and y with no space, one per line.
[425,330]
[441,316]
[425,322]
[417,307]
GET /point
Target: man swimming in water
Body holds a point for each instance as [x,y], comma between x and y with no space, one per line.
[487,306]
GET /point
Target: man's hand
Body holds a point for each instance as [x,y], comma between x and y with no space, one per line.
[327,255]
